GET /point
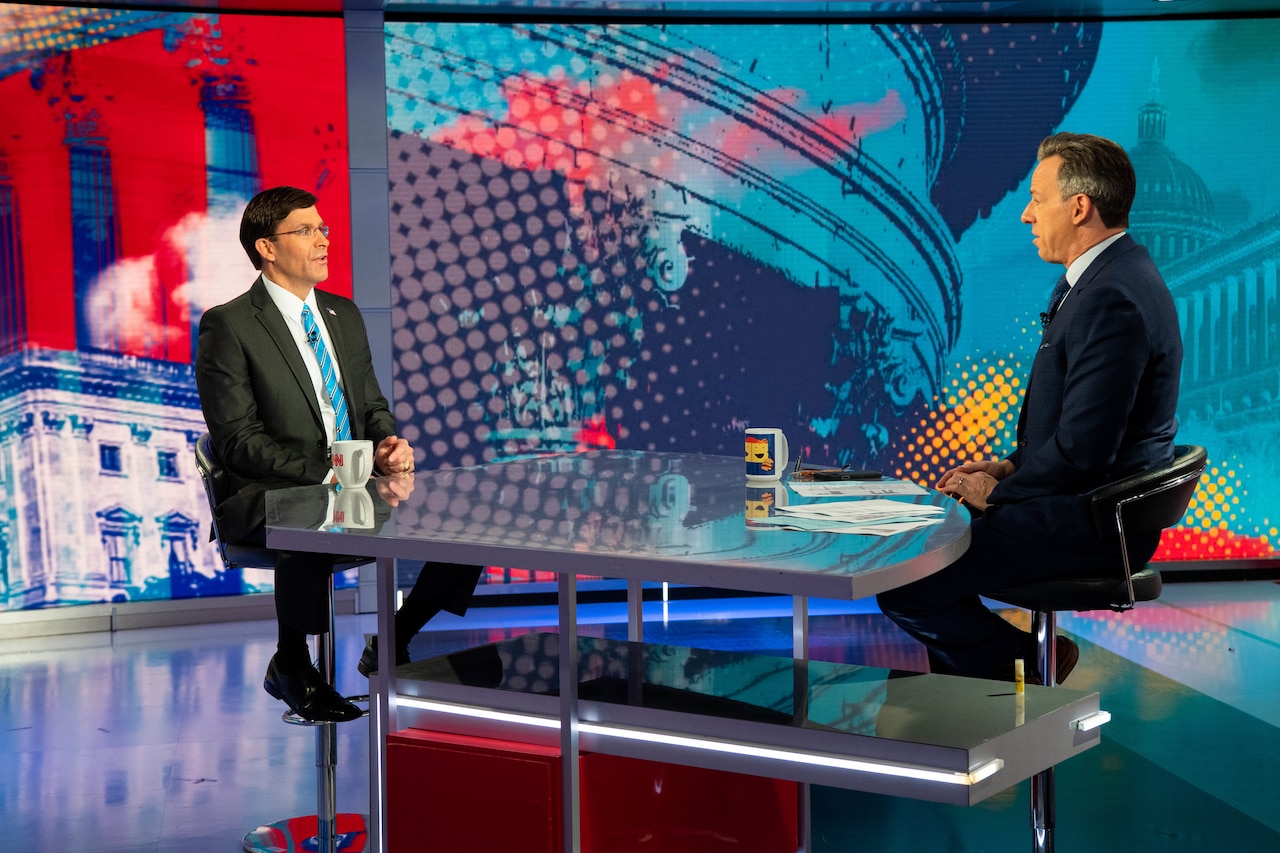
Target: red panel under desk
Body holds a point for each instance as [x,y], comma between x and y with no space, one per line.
[457,792]
[634,806]
[482,795]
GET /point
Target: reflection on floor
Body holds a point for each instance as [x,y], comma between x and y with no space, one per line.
[163,740]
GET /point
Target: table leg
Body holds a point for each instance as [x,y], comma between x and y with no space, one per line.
[800,627]
[569,782]
[327,745]
[1042,811]
[635,611]
[381,705]
[1044,629]
[800,652]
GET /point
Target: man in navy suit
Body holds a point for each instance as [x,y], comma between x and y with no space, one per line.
[283,370]
[1099,406]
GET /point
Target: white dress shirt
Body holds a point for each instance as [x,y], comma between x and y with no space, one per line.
[1080,264]
[291,309]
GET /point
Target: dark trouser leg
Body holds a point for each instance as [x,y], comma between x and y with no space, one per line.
[944,612]
[302,604]
[961,636]
[292,652]
[440,586]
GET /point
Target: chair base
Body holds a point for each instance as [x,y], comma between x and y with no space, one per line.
[295,720]
[298,834]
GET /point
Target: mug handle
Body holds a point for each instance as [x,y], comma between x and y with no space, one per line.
[785,454]
[363,466]
[360,508]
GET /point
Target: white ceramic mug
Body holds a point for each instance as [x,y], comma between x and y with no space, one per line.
[352,509]
[766,454]
[352,462]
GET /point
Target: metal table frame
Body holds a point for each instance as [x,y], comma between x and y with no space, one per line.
[775,562]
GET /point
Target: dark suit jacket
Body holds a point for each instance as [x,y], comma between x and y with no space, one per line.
[260,405]
[1100,402]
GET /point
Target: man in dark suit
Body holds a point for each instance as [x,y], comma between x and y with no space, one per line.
[1099,406]
[283,371]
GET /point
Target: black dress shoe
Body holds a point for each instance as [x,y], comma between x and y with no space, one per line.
[369,660]
[309,696]
[1066,655]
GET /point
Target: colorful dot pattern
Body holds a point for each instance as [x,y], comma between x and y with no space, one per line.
[978,418]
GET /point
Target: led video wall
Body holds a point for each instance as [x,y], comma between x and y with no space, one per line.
[655,236]
[625,235]
[129,144]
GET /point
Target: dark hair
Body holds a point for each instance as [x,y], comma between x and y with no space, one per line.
[1096,167]
[265,212]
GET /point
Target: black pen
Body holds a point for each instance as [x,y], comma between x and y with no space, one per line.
[843,476]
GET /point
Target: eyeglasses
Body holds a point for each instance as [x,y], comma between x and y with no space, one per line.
[304,232]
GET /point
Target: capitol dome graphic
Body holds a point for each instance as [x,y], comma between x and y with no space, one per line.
[1172,212]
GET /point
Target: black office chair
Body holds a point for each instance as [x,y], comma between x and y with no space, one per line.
[1143,503]
[296,833]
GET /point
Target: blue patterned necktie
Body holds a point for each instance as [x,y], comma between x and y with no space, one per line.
[1055,299]
[342,420]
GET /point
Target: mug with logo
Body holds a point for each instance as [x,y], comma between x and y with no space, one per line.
[763,499]
[352,509]
[352,462]
[766,453]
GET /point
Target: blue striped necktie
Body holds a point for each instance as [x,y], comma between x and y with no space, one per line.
[342,420]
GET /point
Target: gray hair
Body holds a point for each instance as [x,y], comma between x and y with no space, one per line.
[1096,167]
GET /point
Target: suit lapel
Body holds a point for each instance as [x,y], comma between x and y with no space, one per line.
[273,323]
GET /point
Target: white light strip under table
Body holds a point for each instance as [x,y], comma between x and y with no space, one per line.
[927,774]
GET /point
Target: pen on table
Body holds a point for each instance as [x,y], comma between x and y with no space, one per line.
[801,471]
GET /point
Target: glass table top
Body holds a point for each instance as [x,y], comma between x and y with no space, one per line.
[683,518]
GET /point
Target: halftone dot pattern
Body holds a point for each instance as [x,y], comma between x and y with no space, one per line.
[978,419]
[1205,533]
[517,315]
[554,505]
[551,126]
[1217,543]
[1216,499]
[528,323]
[975,420]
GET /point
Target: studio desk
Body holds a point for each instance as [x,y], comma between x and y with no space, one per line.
[679,518]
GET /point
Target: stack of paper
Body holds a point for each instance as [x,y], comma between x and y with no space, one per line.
[875,517]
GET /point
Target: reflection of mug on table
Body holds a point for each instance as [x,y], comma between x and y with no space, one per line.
[352,462]
[766,453]
[352,509]
[762,499]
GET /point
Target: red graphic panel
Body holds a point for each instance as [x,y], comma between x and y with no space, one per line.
[140,96]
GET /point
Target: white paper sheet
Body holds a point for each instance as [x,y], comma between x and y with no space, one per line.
[869,517]
[861,510]
[887,527]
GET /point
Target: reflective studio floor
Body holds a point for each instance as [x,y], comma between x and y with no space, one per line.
[163,739]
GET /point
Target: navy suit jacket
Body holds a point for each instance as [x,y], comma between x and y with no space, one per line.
[260,405]
[1100,402]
